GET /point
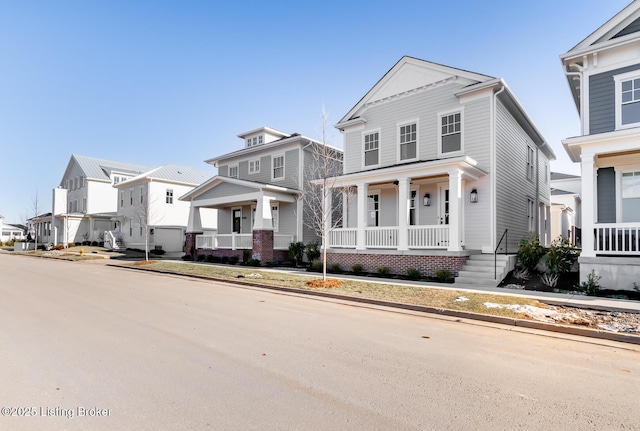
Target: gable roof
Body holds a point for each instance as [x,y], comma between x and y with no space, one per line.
[171,173]
[622,24]
[100,169]
[218,179]
[408,74]
[563,176]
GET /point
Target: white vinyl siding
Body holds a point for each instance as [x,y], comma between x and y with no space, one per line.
[371,149]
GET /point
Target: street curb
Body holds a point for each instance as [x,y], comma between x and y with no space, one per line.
[510,321]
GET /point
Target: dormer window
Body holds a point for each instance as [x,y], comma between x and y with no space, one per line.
[256,140]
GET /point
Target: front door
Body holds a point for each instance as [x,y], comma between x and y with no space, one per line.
[443,204]
[236,217]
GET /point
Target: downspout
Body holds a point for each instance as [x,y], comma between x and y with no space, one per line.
[494,162]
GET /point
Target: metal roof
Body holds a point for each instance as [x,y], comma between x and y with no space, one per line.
[100,169]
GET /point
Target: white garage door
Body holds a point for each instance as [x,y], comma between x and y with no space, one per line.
[171,239]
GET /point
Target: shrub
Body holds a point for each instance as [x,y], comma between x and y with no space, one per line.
[549,280]
[592,285]
[216,259]
[316,265]
[94,243]
[561,256]
[443,275]
[187,257]
[383,270]
[334,268]
[357,268]
[246,255]
[521,274]
[209,258]
[233,260]
[224,259]
[530,251]
[414,274]
[157,251]
[254,262]
[313,251]
[296,252]
[200,258]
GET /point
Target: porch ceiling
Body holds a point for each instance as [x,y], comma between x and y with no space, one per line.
[423,171]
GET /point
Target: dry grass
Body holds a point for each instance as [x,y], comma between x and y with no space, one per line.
[381,291]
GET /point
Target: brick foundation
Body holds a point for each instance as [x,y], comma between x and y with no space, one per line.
[190,243]
[262,248]
[398,264]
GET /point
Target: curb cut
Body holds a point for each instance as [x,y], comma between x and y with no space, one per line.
[509,321]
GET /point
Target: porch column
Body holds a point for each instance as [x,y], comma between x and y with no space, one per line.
[328,223]
[455,210]
[547,209]
[263,219]
[194,224]
[403,213]
[588,205]
[361,216]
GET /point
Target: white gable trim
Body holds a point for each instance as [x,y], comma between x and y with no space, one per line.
[609,29]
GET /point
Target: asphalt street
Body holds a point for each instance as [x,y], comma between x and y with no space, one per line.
[85,346]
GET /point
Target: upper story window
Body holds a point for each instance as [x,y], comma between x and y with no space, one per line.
[256,140]
[131,197]
[371,149]
[254,166]
[233,171]
[451,132]
[141,195]
[82,181]
[121,199]
[530,163]
[277,162]
[408,141]
[169,196]
[76,183]
[627,99]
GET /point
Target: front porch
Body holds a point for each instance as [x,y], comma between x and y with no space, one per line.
[430,205]
[238,241]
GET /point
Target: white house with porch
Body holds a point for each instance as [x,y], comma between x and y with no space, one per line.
[603,72]
[448,170]
[257,194]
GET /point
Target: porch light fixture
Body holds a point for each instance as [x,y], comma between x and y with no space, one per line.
[426,200]
[473,197]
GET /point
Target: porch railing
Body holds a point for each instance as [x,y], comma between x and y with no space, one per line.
[110,240]
[282,242]
[434,236]
[617,238]
[381,237]
[343,238]
[238,241]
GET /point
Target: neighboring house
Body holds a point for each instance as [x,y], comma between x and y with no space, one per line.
[257,193]
[565,207]
[445,162]
[9,231]
[603,72]
[40,228]
[150,201]
[85,202]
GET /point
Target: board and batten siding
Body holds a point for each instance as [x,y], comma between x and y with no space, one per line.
[512,186]
[602,100]
[385,118]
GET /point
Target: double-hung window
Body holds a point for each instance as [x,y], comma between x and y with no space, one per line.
[627,99]
[408,141]
[131,197]
[531,215]
[169,196]
[451,132]
[233,171]
[530,163]
[371,149]
[630,196]
[254,166]
[277,163]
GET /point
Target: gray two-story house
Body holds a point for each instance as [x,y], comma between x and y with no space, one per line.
[603,72]
[448,169]
[258,193]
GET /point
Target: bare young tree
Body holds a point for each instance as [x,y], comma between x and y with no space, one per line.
[144,214]
[320,181]
[36,213]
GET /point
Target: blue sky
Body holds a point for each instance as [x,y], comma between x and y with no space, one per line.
[157,82]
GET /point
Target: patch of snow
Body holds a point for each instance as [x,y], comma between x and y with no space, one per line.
[618,327]
[254,275]
[461,299]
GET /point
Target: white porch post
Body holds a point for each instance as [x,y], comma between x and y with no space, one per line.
[403,213]
[194,224]
[589,207]
[547,209]
[455,209]
[361,216]
[263,219]
[328,201]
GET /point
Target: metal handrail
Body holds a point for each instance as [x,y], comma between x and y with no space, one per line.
[495,252]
